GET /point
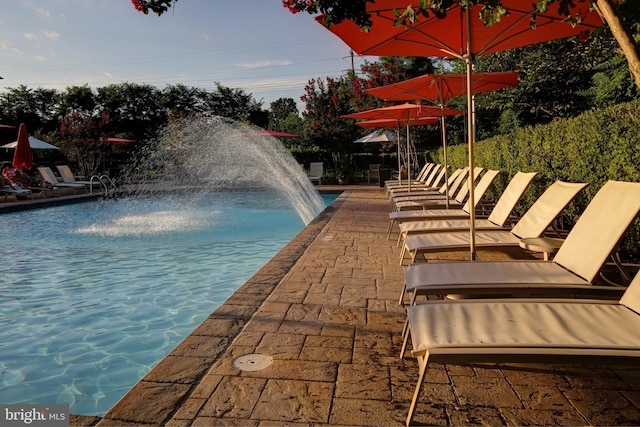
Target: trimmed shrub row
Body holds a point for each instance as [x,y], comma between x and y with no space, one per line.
[594,147]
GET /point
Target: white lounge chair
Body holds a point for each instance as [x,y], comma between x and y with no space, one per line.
[69,178]
[433,183]
[421,179]
[17,192]
[525,330]
[437,209]
[427,201]
[533,224]
[575,267]
[558,195]
[404,199]
[50,177]
[316,172]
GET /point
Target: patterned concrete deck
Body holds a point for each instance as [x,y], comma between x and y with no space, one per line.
[325,309]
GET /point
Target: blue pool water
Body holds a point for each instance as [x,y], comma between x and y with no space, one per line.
[93,295]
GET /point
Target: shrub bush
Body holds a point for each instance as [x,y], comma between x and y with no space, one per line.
[594,147]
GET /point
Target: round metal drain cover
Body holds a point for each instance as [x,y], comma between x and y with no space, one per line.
[252,362]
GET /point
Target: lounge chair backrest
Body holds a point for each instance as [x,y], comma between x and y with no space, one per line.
[510,197]
[599,229]
[464,189]
[631,297]
[452,179]
[67,175]
[481,189]
[316,169]
[48,175]
[432,175]
[424,171]
[548,206]
[457,182]
[439,178]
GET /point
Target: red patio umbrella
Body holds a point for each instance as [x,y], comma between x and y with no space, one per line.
[118,141]
[458,35]
[23,157]
[440,88]
[404,115]
[278,134]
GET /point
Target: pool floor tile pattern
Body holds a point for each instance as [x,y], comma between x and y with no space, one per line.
[325,309]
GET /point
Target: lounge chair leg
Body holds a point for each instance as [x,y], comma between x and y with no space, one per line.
[402,252]
[391,222]
[401,301]
[422,363]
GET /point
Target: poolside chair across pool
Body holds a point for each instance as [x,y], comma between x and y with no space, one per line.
[50,177]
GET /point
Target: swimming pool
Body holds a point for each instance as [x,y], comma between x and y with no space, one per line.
[93,295]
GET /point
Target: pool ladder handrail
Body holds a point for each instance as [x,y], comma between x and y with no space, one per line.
[101,179]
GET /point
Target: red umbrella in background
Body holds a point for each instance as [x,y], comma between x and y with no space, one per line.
[118,141]
[23,157]
[276,133]
[440,88]
[458,35]
[388,123]
[404,115]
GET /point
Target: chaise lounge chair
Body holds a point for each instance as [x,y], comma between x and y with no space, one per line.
[536,220]
[316,172]
[582,256]
[420,199]
[69,178]
[432,182]
[50,177]
[437,210]
[420,179]
[525,330]
[17,192]
[558,195]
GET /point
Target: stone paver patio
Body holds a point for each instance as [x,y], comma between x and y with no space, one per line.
[325,309]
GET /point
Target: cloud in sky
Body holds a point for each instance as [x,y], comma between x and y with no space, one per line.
[52,35]
[42,12]
[30,36]
[262,64]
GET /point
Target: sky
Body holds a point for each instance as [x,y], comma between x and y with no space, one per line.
[254,45]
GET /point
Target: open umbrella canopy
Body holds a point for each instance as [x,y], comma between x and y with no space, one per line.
[23,157]
[441,87]
[448,37]
[407,112]
[34,143]
[460,34]
[376,136]
[389,123]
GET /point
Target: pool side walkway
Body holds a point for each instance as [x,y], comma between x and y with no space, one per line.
[325,309]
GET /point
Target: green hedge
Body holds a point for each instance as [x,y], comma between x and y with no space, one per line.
[594,147]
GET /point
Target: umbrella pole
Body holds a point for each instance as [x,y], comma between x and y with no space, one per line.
[470,136]
[408,159]
[399,155]
[444,149]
